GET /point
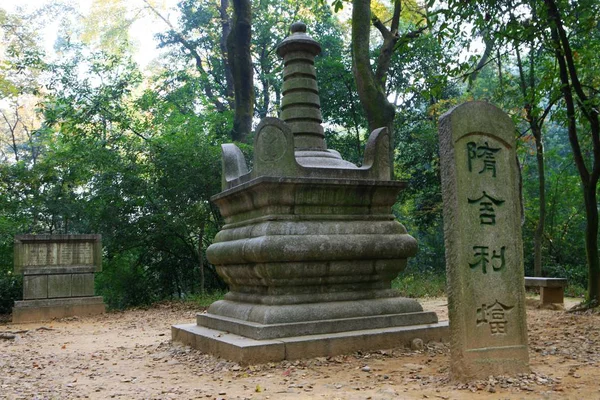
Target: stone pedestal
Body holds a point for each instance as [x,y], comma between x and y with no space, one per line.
[310,246]
[43,310]
[58,276]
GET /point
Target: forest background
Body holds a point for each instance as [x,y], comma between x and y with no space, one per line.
[92,142]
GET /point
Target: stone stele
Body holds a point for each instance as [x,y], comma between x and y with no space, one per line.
[310,245]
[58,276]
[484,254]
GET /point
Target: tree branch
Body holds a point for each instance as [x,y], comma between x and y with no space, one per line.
[396,16]
[380,27]
[489,45]
[193,52]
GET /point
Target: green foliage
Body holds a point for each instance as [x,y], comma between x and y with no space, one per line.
[573,290]
[126,283]
[565,223]
[203,300]
[418,80]
[575,274]
[137,168]
[11,290]
[418,284]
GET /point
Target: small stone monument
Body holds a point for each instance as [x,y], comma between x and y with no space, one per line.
[58,276]
[484,254]
[310,245]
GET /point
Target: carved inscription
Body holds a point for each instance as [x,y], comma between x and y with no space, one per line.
[37,255]
[487,155]
[483,259]
[483,256]
[66,253]
[271,144]
[487,212]
[494,316]
[76,254]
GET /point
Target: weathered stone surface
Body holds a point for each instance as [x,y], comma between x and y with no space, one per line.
[82,285]
[44,286]
[35,287]
[552,295]
[378,145]
[233,163]
[484,254]
[250,351]
[274,149]
[298,241]
[552,290]
[48,251]
[57,267]
[59,285]
[43,310]
[545,282]
[297,327]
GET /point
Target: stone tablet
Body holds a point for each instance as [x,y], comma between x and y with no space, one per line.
[54,252]
[484,252]
[58,276]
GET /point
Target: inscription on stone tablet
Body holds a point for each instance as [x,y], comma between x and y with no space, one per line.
[59,254]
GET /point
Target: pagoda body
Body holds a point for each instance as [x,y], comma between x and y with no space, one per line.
[309,247]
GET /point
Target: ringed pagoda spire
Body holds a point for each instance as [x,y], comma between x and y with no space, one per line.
[301,106]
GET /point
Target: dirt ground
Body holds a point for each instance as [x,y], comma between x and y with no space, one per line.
[129,355]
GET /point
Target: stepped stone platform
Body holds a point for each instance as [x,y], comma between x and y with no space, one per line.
[247,351]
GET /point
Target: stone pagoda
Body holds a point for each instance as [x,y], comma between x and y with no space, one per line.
[310,245]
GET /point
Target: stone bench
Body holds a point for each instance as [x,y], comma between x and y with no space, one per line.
[552,290]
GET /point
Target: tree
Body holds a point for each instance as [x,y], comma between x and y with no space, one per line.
[201,36]
[371,84]
[535,116]
[577,64]
[240,60]
[20,67]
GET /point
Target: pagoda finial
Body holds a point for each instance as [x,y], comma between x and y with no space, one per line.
[300,106]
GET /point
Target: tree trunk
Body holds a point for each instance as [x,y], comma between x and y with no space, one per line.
[489,46]
[240,59]
[589,180]
[539,229]
[225,31]
[591,242]
[379,111]
[12,128]
[535,124]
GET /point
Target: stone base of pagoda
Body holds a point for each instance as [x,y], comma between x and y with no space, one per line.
[245,350]
[365,325]
[259,321]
